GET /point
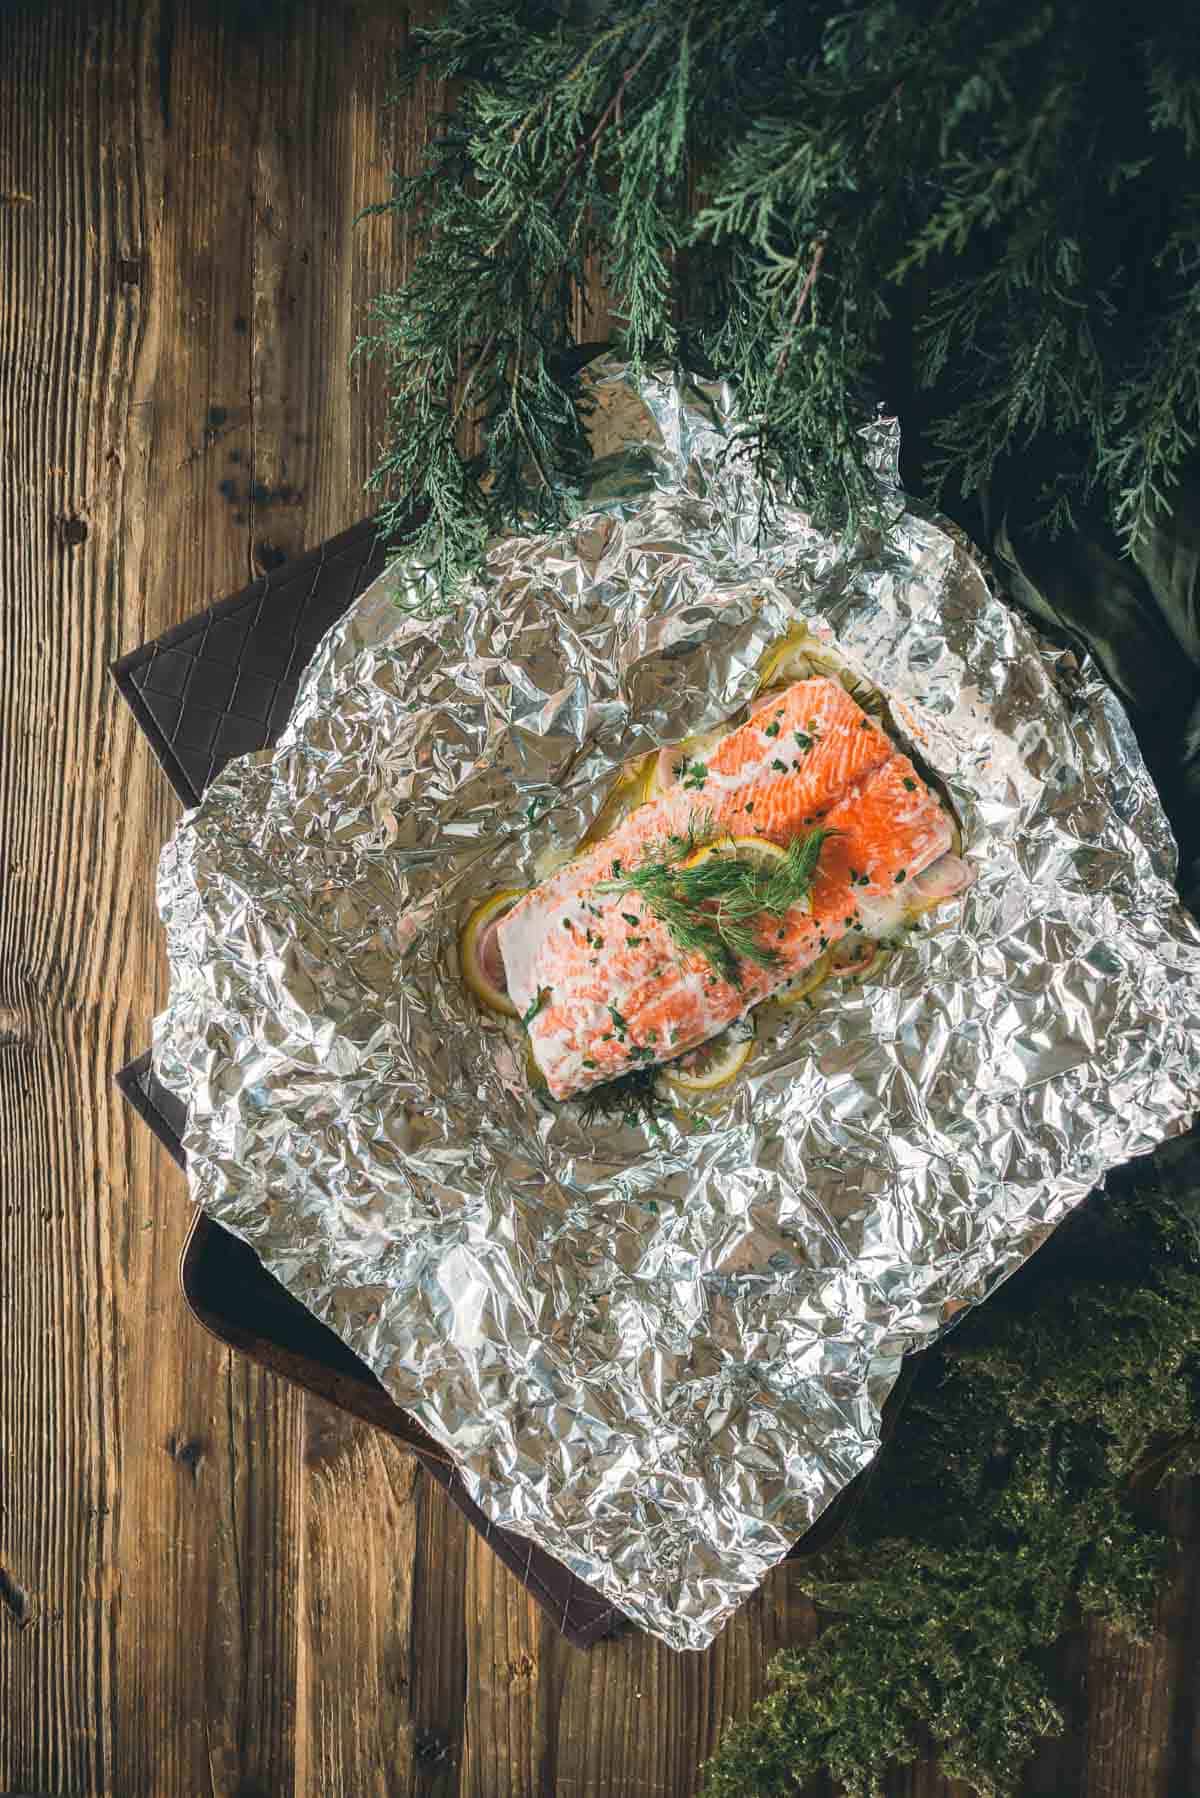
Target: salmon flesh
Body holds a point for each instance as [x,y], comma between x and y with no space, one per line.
[607,986]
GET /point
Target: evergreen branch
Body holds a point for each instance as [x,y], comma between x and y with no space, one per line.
[1015,173]
[806,287]
[1004,1510]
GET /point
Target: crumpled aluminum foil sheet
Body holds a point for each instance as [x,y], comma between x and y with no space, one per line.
[662,1352]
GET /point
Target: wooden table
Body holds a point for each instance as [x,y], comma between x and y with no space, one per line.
[208,1583]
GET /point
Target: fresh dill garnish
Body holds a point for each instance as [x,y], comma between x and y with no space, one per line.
[716,907]
[694,776]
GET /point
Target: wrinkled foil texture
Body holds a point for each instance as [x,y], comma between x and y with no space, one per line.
[662,1352]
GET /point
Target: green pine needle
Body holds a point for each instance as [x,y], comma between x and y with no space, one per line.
[770,191]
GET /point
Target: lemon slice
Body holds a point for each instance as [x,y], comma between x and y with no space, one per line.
[752,849]
[787,662]
[715,1063]
[479,968]
[804,983]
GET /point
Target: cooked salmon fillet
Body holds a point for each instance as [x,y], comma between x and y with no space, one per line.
[616,992]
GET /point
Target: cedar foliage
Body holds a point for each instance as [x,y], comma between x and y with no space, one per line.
[777,190]
[1016,1497]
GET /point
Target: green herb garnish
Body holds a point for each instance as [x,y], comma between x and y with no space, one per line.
[543,994]
[716,907]
[632,1096]
[694,776]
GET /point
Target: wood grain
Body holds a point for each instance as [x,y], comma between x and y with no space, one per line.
[209,1584]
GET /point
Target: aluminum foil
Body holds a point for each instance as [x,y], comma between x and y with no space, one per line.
[662,1350]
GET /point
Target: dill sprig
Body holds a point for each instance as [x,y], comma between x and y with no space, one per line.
[717,906]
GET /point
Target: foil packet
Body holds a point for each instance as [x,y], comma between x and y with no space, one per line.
[661,1348]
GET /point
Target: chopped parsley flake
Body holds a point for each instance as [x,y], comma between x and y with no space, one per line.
[864,724]
[617,1019]
[629,917]
[772,729]
[901,875]
[803,739]
[694,776]
[782,766]
[588,1062]
[910,786]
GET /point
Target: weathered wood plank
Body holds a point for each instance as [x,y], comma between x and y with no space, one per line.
[207,1583]
[356,1729]
[505,1749]
[632,1718]
[1142,1697]
[440,1674]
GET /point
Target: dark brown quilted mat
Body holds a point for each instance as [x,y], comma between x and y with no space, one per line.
[219,686]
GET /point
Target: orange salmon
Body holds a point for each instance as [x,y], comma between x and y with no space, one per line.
[611,988]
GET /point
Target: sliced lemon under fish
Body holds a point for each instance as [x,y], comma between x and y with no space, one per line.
[474,945]
[803,983]
[715,1063]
